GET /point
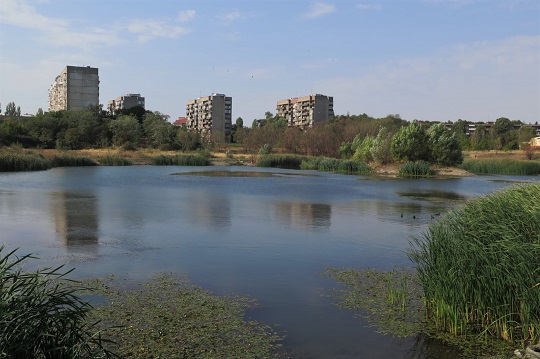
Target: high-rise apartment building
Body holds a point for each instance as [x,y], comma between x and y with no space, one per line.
[306,111]
[127,101]
[210,114]
[75,88]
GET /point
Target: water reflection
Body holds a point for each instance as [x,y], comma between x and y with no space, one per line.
[304,215]
[76,220]
[209,210]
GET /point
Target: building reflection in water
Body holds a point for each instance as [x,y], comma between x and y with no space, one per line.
[209,210]
[304,215]
[76,221]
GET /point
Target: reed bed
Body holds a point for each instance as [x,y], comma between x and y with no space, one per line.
[72,161]
[13,162]
[415,169]
[501,166]
[281,161]
[180,160]
[115,161]
[479,267]
[335,165]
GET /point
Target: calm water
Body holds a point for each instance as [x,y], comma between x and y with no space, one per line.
[269,237]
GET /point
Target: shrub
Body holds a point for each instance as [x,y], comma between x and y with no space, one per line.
[265,149]
[479,266]
[42,317]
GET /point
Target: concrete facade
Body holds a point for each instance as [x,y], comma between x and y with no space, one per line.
[306,111]
[210,114]
[124,102]
[75,88]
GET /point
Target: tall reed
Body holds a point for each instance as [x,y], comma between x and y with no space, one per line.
[114,161]
[281,161]
[501,166]
[415,169]
[480,269]
[13,162]
[71,161]
[327,164]
[180,160]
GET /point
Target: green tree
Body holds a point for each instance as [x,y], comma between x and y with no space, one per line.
[380,149]
[410,143]
[444,146]
[187,140]
[12,110]
[125,130]
[239,122]
[363,150]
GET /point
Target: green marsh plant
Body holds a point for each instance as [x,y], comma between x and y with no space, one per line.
[180,160]
[13,162]
[501,166]
[415,169]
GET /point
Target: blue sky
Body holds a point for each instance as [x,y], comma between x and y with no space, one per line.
[434,60]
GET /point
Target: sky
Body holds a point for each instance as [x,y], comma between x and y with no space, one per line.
[430,60]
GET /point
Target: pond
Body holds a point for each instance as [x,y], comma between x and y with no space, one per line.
[264,233]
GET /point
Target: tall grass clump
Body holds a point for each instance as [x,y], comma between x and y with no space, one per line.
[72,161]
[42,316]
[501,166]
[327,164]
[415,169]
[281,161]
[115,161]
[180,160]
[480,269]
[13,162]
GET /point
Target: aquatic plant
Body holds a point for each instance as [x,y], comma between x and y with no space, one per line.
[327,164]
[501,166]
[115,161]
[42,316]
[180,160]
[281,161]
[71,161]
[13,162]
[415,169]
[169,318]
[479,267]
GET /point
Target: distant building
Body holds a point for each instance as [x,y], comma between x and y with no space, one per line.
[75,88]
[306,111]
[181,122]
[210,114]
[127,101]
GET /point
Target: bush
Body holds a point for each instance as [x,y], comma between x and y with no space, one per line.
[479,266]
[415,169]
[42,317]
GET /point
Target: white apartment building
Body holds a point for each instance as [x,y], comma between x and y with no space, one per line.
[210,114]
[75,88]
[306,111]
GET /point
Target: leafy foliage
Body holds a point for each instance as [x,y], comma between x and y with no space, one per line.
[410,143]
[444,146]
[415,169]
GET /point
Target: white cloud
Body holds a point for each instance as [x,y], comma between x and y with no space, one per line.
[148,29]
[319,9]
[231,16]
[369,6]
[187,15]
[476,81]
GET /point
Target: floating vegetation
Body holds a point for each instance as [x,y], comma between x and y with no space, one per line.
[13,162]
[434,196]
[242,174]
[170,318]
[501,167]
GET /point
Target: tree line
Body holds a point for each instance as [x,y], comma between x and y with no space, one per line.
[361,137]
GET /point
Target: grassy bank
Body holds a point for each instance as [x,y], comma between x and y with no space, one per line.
[415,169]
[314,163]
[181,160]
[501,166]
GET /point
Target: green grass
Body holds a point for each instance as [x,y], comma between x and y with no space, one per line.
[115,161]
[281,161]
[180,160]
[415,169]
[480,270]
[42,316]
[169,318]
[71,161]
[501,166]
[327,164]
[12,162]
